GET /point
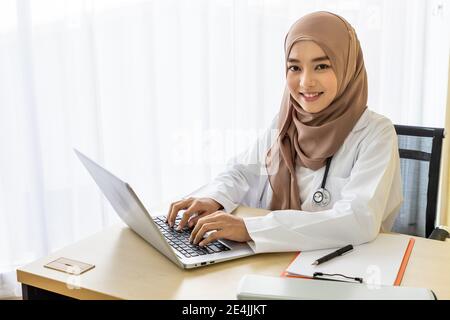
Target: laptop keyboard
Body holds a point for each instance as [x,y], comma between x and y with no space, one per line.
[180,240]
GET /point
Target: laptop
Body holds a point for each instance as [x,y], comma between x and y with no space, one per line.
[171,243]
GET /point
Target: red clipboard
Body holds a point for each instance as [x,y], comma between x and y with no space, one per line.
[398,279]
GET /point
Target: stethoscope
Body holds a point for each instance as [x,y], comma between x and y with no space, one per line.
[322,196]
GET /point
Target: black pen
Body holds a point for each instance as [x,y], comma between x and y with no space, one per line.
[334,254]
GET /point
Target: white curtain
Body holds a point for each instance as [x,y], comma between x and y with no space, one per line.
[162,93]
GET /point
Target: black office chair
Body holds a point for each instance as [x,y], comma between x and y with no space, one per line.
[420,158]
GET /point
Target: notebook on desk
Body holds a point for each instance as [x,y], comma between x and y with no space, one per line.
[380,262]
[260,287]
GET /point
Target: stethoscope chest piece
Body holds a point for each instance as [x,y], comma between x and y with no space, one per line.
[321,197]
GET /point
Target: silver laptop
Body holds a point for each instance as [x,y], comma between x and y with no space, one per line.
[171,243]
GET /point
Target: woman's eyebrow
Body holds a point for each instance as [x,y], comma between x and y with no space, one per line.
[313,60]
[320,59]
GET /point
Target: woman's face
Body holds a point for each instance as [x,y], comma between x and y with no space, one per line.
[310,78]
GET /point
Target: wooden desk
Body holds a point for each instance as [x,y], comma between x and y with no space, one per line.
[127,267]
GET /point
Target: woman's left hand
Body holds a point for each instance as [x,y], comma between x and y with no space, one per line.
[226,225]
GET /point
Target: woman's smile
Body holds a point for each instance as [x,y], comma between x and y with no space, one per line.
[310,96]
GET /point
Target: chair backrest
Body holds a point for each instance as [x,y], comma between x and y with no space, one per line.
[420,159]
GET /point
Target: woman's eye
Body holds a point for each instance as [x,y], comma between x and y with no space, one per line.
[294,68]
[322,66]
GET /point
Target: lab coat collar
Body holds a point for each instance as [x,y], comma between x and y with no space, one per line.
[363,121]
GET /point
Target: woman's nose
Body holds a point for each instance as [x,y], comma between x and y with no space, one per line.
[307,80]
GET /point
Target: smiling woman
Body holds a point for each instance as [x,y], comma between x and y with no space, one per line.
[313,83]
[323,117]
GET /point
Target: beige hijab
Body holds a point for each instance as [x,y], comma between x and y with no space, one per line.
[310,138]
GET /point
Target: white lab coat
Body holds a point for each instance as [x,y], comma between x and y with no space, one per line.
[364,182]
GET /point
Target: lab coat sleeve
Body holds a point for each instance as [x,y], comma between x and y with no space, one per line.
[354,219]
[242,181]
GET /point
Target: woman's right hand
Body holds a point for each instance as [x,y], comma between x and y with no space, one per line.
[200,206]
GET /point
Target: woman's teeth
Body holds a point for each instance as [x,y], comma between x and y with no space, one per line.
[311,95]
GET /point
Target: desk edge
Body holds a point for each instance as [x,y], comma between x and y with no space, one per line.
[48,284]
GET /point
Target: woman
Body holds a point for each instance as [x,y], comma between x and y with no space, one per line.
[333,173]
